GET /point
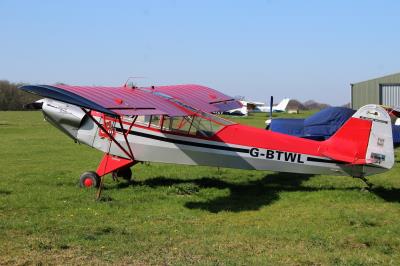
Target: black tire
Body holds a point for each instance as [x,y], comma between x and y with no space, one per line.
[89,180]
[125,173]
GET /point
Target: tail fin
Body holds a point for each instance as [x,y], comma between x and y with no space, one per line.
[282,105]
[365,139]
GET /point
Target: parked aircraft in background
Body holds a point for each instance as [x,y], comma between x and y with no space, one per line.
[174,124]
[258,107]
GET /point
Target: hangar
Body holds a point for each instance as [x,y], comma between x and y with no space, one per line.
[384,90]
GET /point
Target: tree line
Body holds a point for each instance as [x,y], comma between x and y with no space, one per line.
[11,98]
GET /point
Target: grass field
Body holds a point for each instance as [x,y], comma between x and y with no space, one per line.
[182,214]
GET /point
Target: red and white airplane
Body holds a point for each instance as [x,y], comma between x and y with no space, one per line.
[174,124]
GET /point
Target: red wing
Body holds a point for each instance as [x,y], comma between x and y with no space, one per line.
[200,97]
[116,101]
[113,101]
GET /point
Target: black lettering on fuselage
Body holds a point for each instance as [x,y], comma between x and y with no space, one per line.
[290,157]
[269,154]
[281,155]
[254,152]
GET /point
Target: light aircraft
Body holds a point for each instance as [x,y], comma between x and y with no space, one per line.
[258,107]
[174,124]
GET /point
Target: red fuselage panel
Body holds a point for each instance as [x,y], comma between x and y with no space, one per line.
[261,138]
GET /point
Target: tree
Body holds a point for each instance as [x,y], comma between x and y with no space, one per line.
[11,98]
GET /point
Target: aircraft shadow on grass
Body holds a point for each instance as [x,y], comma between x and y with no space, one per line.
[387,194]
[4,192]
[254,194]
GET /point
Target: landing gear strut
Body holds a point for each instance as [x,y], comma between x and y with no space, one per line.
[365,180]
[119,167]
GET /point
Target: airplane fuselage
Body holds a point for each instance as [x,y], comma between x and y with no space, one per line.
[233,146]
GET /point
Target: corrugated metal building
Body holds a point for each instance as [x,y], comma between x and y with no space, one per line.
[384,90]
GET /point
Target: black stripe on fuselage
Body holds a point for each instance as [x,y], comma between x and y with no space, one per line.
[320,160]
[185,142]
[212,146]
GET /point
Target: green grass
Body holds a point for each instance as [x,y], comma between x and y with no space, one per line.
[182,214]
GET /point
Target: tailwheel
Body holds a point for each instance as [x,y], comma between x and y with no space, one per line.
[369,184]
[89,180]
[366,182]
[125,173]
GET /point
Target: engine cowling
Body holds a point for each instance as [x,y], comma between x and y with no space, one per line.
[64,116]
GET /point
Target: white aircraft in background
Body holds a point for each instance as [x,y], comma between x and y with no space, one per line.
[258,107]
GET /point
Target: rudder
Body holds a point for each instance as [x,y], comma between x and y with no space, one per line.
[365,139]
[380,150]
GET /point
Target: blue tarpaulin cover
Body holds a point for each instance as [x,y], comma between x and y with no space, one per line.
[321,125]
[396,135]
[294,127]
[325,123]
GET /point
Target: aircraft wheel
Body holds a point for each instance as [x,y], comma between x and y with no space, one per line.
[125,173]
[89,180]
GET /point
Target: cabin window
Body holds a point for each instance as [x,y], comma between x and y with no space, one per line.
[191,125]
[203,127]
[155,121]
[143,120]
[217,119]
[177,124]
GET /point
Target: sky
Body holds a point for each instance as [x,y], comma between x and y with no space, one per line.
[298,49]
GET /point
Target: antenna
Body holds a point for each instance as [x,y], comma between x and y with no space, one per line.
[269,121]
[131,84]
[271,104]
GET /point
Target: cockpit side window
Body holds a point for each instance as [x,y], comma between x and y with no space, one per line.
[155,121]
[203,127]
[191,125]
[177,124]
[143,120]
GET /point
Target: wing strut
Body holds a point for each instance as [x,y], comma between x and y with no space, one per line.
[111,163]
[109,135]
[126,139]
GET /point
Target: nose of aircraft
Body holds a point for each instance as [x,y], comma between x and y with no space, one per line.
[66,117]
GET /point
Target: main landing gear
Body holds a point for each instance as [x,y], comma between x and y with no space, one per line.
[89,180]
[92,179]
[119,167]
[125,173]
